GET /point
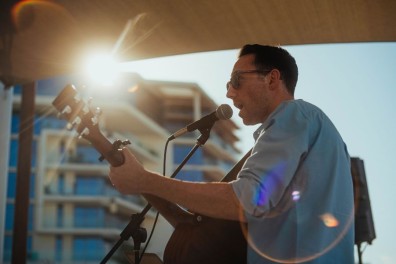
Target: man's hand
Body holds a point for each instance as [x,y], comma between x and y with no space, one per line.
[129,177]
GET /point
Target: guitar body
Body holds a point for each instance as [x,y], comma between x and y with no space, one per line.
[211,241]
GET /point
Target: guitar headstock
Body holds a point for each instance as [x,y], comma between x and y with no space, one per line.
[77,112]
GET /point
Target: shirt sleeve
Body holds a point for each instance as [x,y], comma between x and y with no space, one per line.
[275,157]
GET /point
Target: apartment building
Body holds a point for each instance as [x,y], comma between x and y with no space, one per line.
[75,215]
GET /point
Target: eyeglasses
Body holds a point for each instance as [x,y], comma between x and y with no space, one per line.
[234,81]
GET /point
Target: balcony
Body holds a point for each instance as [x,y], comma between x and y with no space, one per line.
[88,215]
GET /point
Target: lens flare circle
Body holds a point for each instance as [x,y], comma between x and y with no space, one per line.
[329,222]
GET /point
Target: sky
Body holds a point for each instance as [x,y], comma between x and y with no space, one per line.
[354,84]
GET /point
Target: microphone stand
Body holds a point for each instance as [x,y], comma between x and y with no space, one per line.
[133,229]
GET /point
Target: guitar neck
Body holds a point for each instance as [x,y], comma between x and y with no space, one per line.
[109,151]
[231,175]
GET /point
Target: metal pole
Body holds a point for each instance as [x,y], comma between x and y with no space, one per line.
[5,130]
[19,243]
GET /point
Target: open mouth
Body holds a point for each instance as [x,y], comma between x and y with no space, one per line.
[239,106]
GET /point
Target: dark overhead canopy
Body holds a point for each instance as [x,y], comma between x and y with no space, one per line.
[50,38]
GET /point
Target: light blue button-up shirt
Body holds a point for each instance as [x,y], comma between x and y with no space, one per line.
[296,189]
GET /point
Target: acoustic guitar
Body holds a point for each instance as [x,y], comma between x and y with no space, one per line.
[200,240]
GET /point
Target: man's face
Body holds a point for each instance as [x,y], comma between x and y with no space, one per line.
[251,94]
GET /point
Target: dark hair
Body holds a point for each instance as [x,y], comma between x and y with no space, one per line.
[270,57]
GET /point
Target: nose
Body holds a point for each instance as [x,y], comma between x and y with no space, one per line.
[230,92]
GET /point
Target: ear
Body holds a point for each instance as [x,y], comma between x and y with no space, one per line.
[275,79]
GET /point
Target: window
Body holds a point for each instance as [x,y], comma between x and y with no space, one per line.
[86,154]
[181,152]
[88,249]
[86,185]
[9,220]
[58,248]
[59,215]
[61,183]
[88,217]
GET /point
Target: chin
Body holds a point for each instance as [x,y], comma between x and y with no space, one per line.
[247,122]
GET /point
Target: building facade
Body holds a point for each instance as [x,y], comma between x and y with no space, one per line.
[75,214]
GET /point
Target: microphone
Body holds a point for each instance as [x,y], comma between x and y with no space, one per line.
[223,112]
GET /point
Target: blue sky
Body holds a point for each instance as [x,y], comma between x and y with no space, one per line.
[354,84]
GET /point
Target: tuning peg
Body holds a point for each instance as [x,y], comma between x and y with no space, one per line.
[87,105]
[97,114]
[66,110]
[75,122]
[83,133]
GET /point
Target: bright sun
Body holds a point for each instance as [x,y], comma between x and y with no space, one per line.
[102,69]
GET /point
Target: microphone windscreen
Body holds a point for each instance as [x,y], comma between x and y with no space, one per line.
[224,112]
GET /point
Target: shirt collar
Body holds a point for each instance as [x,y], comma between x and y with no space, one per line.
[269,121]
